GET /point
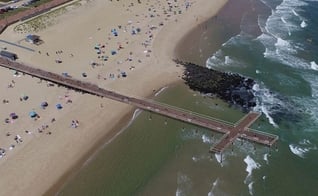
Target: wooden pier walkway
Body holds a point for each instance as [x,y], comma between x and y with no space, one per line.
[231,131]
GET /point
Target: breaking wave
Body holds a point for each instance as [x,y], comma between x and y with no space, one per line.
[302,148]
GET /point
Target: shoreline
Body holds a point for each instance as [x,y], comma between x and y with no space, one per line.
[127,119]
[163,46]
[89,155]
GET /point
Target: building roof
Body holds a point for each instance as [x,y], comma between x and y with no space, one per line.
[8,54]
[33,37]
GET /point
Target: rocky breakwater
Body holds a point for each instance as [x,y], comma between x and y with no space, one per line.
[232,88]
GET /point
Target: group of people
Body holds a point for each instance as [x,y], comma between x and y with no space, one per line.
[75,123]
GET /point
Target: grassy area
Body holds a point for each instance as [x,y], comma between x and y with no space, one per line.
[43,21]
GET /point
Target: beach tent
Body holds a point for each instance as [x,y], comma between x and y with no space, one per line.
[32,114]
[59,106]
[34,39]
[24,97]
[114,32]
[13,115]
[65,74]
[123,74]
[44,104]
[113,52]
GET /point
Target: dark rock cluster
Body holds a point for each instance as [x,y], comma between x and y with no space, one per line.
[232,88]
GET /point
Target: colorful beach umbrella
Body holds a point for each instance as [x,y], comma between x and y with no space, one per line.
[32,114]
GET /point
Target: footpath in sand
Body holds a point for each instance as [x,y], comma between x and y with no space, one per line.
[122,46]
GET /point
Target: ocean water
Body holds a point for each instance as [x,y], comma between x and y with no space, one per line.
[277,46]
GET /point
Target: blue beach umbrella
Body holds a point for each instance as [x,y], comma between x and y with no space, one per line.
[32,114]
[59,106]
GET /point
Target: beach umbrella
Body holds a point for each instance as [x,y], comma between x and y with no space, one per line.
[24,97]
[13,115]
[123,74]
[32,114]
[44,104]
[59,106]
[113,52]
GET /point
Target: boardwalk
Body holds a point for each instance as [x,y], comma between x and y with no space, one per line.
[236,131]
[231,131]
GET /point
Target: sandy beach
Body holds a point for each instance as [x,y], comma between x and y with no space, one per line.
[124,46]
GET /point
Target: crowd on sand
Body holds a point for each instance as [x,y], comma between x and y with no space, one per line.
[104,52]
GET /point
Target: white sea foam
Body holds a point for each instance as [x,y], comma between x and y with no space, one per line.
[214,185]
[302,148]
[284,21]
[206,139]
[197,158]
[305,142]
[268,116]
[215,60]
[313,65]
[136,113]
[310,104]
[265,157]
[264,101]
[160,91]
[299,151]
[303,24]
[282,51]
[294,12]
[251,165]
[227,60]
[250,188]
[218,158]
[282,43]
[184,184]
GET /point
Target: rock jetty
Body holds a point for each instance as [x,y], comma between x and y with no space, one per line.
[232,88]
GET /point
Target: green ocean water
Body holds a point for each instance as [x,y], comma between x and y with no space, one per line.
[152,158]
[142,152]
